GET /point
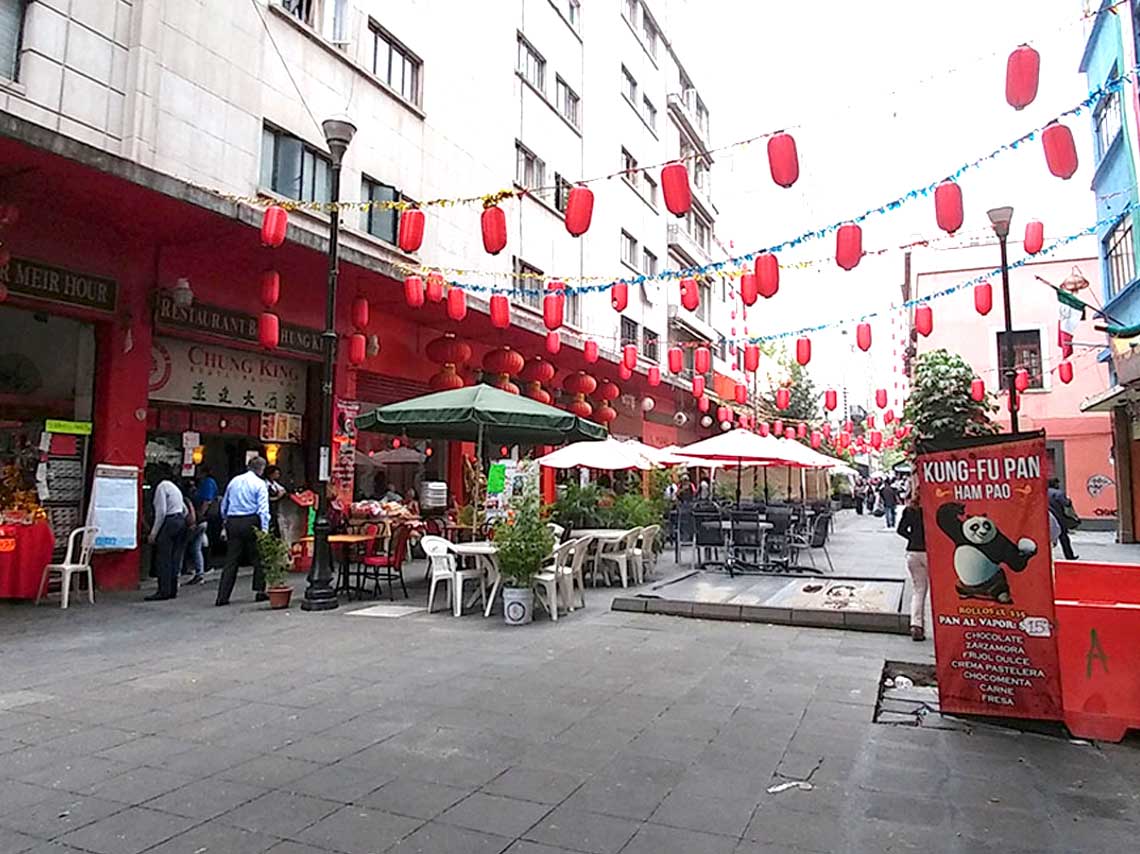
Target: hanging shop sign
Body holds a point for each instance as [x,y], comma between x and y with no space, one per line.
[188,372]
[234,325]
[280,427]
[343,475]
[38,280]
[985,511]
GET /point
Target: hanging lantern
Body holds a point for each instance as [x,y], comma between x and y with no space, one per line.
[624,373]
[270,288]
[863,336]
[803,350]
[1065,372]
[607,391]
[844,439]
[702,360]
[648,404]
[948,206]
[924,320]
[414,291]
[767,275]
[629,356]
[434,291]
[848,246]
[978,390]
[783,398]
[653,375]
[690,294]
[590,351]
[360,313]
[983,298]
[889,417]
[411,232]
[553,304]
[801,430]
[783,160]
[500,311]
[740,393]
[698,385]
[1034,236]
[456,303]
[703,403]
[723,413]
[1021,379]
[579,210]
[869,421]
[789,433]
[1060,150]
[537,370]
[748,288]
[1022,71]
[881,398]
[830,400]
[826,430]
[762,428]
[448,350]
[553,342]
[494,223]
[581,408]
[675,187]
[268,330]
[876,439]
[751,357]
[509,387]
[580,383]
[619,296]
[274,225]
[447,379]
[676,358]
[816,439]
[357,349]
[504,362]
[778,427]
[536,392]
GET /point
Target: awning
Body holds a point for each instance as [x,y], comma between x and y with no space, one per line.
[1111,398]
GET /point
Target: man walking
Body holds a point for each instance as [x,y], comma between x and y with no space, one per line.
[245,509]
[1061,506]
[890,497]
[167,535]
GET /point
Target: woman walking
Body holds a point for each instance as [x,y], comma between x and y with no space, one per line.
[910,527]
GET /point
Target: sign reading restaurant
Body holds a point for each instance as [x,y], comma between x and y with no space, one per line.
[37,280]
[234,325]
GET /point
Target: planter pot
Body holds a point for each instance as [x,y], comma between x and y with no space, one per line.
[279,597]
[518,605]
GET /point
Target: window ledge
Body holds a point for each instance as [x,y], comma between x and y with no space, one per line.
[542,96]
[379,242]
[278,197]
[13,86]
[629,266]
[566,20]
[527,193]
[637,112]
[641,195]
[641,41]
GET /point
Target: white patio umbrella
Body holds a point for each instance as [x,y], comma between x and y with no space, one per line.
[743,447]
[660,456]
[608,454]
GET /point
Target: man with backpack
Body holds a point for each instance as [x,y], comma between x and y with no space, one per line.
[1061,506]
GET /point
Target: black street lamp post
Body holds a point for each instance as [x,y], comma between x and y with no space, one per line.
[320,594]
[1001,218]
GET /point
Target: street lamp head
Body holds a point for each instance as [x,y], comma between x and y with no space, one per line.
[339,131]
[1001,218]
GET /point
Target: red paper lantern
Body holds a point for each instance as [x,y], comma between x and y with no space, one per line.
[801,430]
[703,403]
[803,350]
[456,303]
[740,393]
[448,350]
[889,417]
[783,398]
[702,360]
[434,289]
[629,356]
[948,206]
[608,391]
[698,385]
[580,383]
[863,336]
[653,375]
[1021,379]
[619,296]
[494,223]
[590,350]
[676,360]
[414,291]
[690,294]
[778,427]
[816,439]
[553,342]
[360,313]
[978,390]
[270,288]
[983,298]
[830,400]
[447,379]
[881,397]
[675,188]
[876,439]
[605,414]
[762,428]
[789,433]
[553,304]
[500,311]
[1065,372]
[581,408]
[748,288]
[579,210]
[537,392]
[357,349]
[751,357]
[844,439]
[537,370]
[826,430]
[869,421]
[1034,236]
[848,246]
[767,275]
[783,160]
[624,373]
[274,225]
[723,413]
[1022,71]
[924,320]
[503,361]
[268,330]
[411,232]
[1060,150]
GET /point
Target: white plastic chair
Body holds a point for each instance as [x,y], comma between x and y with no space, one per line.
[74,563]
[573,574]
[646,554]
[547,581]
[622,553]
[557,530]
[440,565]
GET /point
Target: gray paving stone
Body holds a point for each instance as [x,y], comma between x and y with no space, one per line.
[131,831]
[534,784]
[269,771]
[340,782]
[139,785]
[357,830]
[654,839]
[436,838]
[524,846]
[719,815]
[290,847]
[415,798]
[16,795]
[494,814]
[578,830]
[280,813]
[58,814]
[12,842]
[81,774]
[205,799]
[216,838]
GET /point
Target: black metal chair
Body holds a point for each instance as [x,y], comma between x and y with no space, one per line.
[746,551]
[708,538]
[779,535]
[815,537]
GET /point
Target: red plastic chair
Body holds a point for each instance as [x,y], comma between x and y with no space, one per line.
[392,564]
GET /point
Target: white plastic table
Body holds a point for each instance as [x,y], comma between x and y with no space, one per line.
[484,552]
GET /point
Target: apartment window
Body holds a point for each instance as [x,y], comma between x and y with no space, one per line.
[629,166]
[628,331]
[701,231]
[567,101]
[702,116]
[1026,354]
[1108,120]
[530,171]
[650,31]
[1120,257]
[302,10]
[629,86]
[651,344]
[11,30]
[629,249]
[701,175]
[573,311]
[527,278]
[629,10]
[561,192]
[293,168]
[379,221]
[531,65]
[648,263]
[574,13]
[397,66]
[649,112]
[650,189]
[705,308]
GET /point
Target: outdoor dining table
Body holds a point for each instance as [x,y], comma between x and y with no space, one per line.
[346,541]
[484,552]
[598,538]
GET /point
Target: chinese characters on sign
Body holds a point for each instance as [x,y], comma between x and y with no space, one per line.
[343,472]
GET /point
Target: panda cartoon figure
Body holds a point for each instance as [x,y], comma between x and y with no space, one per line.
[980,550]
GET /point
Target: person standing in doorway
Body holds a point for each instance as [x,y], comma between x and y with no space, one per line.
[910,527]
[1061,506]
[890,498]
[167,535]
[245,510]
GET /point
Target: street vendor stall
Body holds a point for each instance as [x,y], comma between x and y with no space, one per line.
[26,538]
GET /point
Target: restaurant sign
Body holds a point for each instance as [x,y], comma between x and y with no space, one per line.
[37,280]
[235,325]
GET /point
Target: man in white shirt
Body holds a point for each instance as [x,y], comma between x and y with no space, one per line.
[245,509]
[167,535]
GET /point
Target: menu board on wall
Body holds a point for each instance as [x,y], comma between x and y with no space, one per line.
[114,507]
[280,427]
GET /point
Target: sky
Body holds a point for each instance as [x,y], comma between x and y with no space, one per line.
[882,96]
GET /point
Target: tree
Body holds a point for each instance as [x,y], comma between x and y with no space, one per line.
[803,404]
[940,405]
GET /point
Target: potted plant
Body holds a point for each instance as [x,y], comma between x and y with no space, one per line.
[276,561]
[523,542]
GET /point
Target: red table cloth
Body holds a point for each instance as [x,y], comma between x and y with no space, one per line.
[24,552]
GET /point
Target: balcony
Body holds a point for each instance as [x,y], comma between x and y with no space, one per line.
[680,240]
[691,323]
[683,106]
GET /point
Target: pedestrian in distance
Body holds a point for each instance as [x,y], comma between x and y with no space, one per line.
[245,510]
[890,499]
[167,535]
[910,527]
[1061,506]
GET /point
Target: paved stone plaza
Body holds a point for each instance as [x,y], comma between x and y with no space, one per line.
[179,728]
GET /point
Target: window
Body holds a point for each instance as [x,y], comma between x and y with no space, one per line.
[1108,120]
[530,171]
[628,331]
[650,189]
[650,32]
[11,30]
[700,230]
[294,168]
[379,221]
[701,175]
[650,345]
[561,192]
[629,10]
[702,116]
[532,66]
[574,12]
[629,249]
[629,166]
[302,10]
[567,101]
[648,263]
[649,113]
[396,65]
[1026,354]
[704,286]
[527,278]
[1120,258]
[629,86]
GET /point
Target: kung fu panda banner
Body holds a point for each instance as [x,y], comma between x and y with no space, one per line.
[985,511]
